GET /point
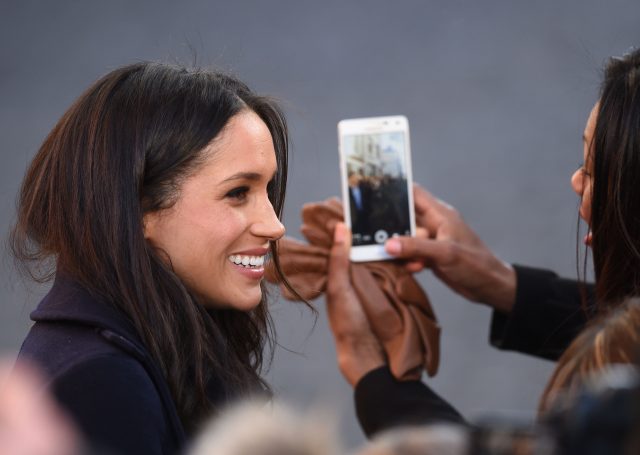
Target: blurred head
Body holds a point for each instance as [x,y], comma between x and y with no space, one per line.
[30,420]
[613,338]
[433,439]
[258,428]
[608,180]
[354,179]
[151,190]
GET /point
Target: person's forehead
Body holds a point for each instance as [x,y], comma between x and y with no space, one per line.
[591,122]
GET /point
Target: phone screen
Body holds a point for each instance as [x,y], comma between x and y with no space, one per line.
[377,182]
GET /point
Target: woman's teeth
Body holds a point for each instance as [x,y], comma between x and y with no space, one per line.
[247,261]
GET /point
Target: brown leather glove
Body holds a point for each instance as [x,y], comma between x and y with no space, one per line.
[397,308]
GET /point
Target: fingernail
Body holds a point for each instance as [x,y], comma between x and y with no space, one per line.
[393,246]
[339,234]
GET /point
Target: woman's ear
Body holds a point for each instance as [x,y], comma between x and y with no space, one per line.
[150,225]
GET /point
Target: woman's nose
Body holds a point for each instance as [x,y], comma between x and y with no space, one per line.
[577,180]
[267,224]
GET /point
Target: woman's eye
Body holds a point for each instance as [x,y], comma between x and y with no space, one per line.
[239,193]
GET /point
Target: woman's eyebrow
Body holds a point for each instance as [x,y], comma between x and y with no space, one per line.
[252,176]
[244,176]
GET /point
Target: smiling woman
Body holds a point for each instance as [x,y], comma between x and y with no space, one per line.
[217,234]
[154,201]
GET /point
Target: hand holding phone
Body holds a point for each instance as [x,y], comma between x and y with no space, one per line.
[375,163]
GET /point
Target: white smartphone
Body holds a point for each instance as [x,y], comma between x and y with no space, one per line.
[375,164]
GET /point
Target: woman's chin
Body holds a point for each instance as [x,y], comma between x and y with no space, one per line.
[246,301]
[242,299]
[248,306]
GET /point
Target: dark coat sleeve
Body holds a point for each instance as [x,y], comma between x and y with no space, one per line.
[115,403]
[546,317]
[382,402]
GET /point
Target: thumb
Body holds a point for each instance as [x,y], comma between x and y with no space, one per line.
[421,249]
[338,273]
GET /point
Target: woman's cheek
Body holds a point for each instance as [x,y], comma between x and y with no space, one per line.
[228,227]
[586,205]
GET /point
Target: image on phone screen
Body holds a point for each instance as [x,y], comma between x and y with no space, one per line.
[377,185]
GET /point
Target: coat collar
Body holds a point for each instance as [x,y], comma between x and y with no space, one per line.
[68,301]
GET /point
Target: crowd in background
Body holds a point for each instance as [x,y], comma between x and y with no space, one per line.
[378,202]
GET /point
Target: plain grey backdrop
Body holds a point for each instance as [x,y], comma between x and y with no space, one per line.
[496,92]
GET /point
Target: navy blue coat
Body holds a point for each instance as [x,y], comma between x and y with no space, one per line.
[102,374]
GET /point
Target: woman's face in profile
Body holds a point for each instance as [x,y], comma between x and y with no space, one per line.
[217,233]
[582,180]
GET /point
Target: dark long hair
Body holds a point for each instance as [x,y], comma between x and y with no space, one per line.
[611,335]
[120,151]
[615,211]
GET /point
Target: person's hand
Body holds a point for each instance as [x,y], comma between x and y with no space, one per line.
[30,421]
[357,348]
[455,254]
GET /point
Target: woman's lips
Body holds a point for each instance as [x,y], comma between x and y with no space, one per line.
[255,273]
[250,263]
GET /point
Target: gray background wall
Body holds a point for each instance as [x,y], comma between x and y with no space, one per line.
[496,92]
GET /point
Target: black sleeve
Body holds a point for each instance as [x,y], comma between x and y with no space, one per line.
[382,402]
[115,404]
[546,317]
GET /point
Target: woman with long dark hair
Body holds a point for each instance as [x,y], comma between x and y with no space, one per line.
[154,202]
[535,311]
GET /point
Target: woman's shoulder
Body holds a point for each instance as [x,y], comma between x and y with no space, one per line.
[95,371]
[101,373]
[106,383]
[70,329]
[115,403]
